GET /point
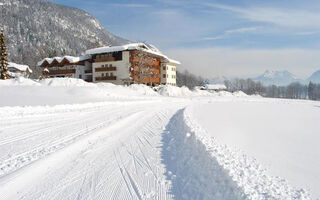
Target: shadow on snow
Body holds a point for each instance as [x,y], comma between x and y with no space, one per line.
[193,172]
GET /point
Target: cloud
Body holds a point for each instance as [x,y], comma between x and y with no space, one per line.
[308,33]
[228,33]
[130,5]
[233,62]
[213,38]
[294,18]
[243,30]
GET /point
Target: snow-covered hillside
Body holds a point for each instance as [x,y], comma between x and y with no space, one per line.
[36,29]
[68,139]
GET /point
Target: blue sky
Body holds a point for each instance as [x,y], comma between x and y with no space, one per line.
[231,37]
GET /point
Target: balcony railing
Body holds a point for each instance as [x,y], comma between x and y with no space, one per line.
[108,59]
[106,78]
[104,69]
[62,71]
[88,71]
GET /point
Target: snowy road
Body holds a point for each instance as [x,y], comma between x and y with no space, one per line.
[112,152]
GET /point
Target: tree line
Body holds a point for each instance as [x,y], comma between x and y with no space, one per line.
[294,90]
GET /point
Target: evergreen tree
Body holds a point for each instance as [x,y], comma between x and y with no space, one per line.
[3,58]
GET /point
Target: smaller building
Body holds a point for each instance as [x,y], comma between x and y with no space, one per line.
[67,66]
[214,87]
[18,70]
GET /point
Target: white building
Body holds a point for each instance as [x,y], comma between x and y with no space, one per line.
[18,70]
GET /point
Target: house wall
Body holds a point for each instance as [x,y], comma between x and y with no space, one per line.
[59,71]
[121,72]
[169,74]
[145,68]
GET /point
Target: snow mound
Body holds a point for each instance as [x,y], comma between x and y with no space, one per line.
[194,173]
[235,172]
[143,89]
[173,91]
[66,82]
[169,90]
[19,81]
[240,94]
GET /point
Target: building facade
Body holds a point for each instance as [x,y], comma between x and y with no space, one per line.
[17,70]
[121,65]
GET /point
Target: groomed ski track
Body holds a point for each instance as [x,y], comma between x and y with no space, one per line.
[121,150]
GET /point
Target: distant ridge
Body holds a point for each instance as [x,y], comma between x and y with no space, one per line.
[315,77]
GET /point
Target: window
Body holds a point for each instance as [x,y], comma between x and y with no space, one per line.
[107,74]
[111,74]
[164,68]
[167,75]
[102,65]
[164,76]
[102,74]
[80,76]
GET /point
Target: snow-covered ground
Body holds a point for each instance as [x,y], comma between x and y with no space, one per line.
[68,139]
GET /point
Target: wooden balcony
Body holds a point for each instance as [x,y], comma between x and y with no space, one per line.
[62,71]
[106,78]
[88,71]
[108,59]
[105,69]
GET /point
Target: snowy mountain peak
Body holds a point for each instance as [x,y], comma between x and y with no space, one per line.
[270,77]
[275,74]
[315,77]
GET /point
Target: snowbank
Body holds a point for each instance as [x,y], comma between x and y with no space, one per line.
[19,81]
[53,91]
[202,168]
[56,91]
[282,135]
[65,82]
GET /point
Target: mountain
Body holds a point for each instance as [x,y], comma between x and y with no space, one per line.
[315,77]
[218,79]
[35,29]
[280,78]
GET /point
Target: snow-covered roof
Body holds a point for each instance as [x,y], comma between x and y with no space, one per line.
[173,61]
[19,67]
[132,46]
[109,49]
[215,87]
[71,59]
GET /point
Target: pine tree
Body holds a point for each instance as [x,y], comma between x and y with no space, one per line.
[3,58]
